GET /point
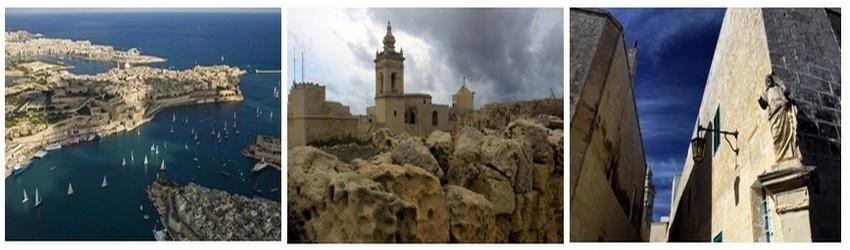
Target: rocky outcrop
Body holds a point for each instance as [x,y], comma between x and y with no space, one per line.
[471,216]
[409,151]
[441,147]
[495,187]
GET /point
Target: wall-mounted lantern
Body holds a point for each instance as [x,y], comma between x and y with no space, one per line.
[698,143]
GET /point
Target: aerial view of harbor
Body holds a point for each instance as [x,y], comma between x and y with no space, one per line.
[142,124]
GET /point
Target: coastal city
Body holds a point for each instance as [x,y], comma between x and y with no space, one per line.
[71,104]
[84,107]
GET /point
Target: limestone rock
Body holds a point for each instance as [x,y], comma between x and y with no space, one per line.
[409,151]
[420,188]
[551,122]
[556,142]
[523,218]
[357,209]
[532,134]
[463,165]
[309,172]
[497,188]
[471,216]
[508,157]
[441,147]
[382,139]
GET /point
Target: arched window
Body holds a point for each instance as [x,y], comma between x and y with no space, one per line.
[434,118]
[381,81]
[392,83]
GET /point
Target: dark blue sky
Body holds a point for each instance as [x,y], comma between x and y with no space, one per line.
[675,48]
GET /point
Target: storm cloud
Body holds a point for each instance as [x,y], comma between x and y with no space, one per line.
[505,54]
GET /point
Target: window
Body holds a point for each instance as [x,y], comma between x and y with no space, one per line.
[381,80]
[716,130]
[768,227]
[394,113]
[392,83]
[434,118]
[718,237]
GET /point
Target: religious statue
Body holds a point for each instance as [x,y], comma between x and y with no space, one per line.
[782,113]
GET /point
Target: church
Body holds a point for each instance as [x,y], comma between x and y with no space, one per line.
[312,118]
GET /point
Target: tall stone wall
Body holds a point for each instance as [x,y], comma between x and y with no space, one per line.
[794,45]
[607,162]
[805,54]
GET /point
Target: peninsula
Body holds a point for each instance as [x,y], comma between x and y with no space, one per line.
[47,106]
[193,212]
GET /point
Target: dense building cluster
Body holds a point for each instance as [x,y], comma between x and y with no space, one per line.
[194,212]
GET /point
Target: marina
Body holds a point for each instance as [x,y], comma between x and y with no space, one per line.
[110,189]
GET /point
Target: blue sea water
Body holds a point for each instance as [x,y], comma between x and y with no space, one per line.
[246,40]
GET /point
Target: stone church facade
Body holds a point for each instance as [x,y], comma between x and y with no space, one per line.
[312,118]
[769,182]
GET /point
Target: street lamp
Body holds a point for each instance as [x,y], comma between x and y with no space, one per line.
[698,143]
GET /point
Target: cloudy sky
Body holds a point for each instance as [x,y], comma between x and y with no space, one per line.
[505,54]
[675,48]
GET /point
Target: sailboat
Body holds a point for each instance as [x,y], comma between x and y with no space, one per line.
[193,130]
[25,197]
[37,200]
[219,135]
[271,114]
[234,124]
[162,167]
[139,132]
[234,114]
[132,158]
[157,150]
[213,131]
[172,129]
[152,148]
[173,117]
[165,144]
[186,120]
[70,189]
[146,160]
[222,58]
[104,182]
[225,126]
[196,136]
[186,145]
[123,162]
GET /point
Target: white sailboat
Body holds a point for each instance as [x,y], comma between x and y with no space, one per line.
[193,130]
[172,129]
[196,136]
[25,197]
[157,150]
[37,199]
[162,167]
[225,125]
[146,160]
[186,145]
[234,124]
[271,114]
[70,189]
[219,135]
[165,144]
[222,58]
[152,148]
[213,131]
[139,132]
[123,161]
[173,117]
[104,182]
[132,157]
[234,114]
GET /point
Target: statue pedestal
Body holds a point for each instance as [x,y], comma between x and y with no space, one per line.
[787,186]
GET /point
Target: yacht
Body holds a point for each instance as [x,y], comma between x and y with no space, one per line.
[70,189]
[104,182]
[37,200]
